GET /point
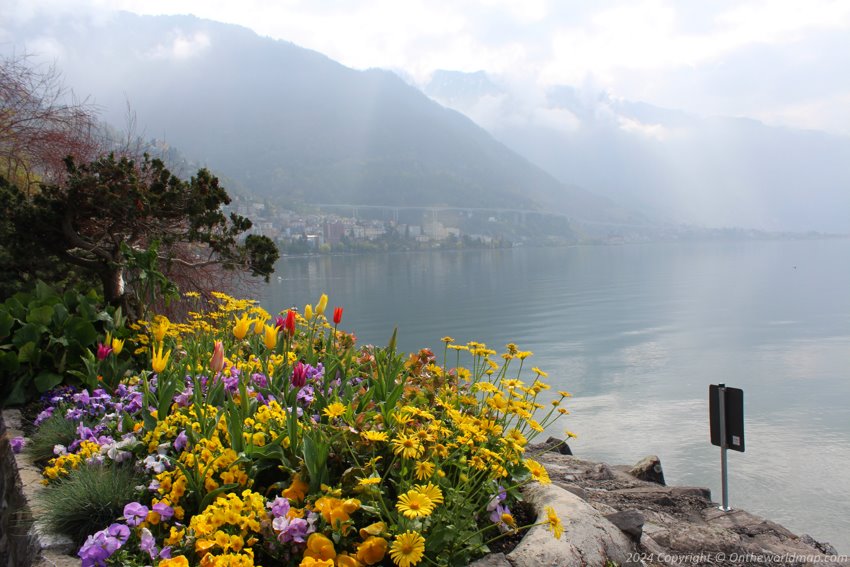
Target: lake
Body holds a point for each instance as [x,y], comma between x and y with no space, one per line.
[638,333]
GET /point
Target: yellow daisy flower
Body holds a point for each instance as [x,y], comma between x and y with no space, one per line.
[407,446]
[553,522]
[413,504]
[374,435]
[431,491]
[335,409]
[423,470]
[408,549]
[538,472]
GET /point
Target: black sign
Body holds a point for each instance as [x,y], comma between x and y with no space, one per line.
[733,404]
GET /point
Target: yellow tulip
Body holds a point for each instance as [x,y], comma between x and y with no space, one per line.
[322,304]
[158,361]
[308,312]
[161,328]
[259,322]
[240,329]
[117,346]
[270,336]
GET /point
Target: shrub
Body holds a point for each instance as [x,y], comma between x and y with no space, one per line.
[45,336]
[88,499]
[53,431]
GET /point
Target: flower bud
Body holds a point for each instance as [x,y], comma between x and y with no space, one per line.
[217,360]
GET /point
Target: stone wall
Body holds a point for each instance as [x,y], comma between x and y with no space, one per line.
[23,542]
[17,547]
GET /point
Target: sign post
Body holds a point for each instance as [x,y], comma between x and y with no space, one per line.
[726,419]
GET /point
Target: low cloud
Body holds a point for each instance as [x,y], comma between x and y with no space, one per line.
[181,46]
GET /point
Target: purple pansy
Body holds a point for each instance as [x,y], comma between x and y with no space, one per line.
[181,441]
[101,545]
[135,513]
[147,543]
[164,510]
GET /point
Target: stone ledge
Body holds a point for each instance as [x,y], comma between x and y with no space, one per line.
[43,548]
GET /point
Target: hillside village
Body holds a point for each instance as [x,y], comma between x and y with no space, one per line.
[362,228]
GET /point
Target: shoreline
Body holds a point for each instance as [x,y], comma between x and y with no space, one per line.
[663,525]
[626,516]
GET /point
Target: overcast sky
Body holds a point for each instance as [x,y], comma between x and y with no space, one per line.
[786,62]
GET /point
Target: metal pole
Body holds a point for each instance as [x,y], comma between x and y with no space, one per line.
[724,480]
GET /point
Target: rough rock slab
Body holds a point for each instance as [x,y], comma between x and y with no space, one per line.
[492,560]
[53,559]
[630,522]
[682,525]
[588,539]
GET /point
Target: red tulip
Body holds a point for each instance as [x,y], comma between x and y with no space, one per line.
[337,315]
[217,360]
[299,375]
[289,322]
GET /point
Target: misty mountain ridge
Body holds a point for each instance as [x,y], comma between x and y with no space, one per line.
[669,164]
[280,120]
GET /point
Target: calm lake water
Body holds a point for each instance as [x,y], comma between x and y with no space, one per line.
[637,333]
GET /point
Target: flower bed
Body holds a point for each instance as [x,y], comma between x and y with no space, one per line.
[252,441]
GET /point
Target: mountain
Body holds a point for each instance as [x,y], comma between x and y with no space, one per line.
[669,164]
[281,120]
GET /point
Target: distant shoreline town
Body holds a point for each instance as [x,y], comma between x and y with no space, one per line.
[372,228]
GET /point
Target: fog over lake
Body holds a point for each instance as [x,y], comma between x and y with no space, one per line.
[638,333]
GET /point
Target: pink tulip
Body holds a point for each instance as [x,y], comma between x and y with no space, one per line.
[103,351]
[217,360]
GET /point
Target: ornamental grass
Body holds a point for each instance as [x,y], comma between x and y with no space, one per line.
[278,441]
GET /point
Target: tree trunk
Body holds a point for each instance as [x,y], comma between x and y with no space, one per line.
[114,292]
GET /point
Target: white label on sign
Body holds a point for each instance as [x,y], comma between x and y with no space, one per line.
[736,440]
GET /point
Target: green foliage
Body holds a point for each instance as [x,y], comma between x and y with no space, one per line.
[45,335]
[88,499]
[132,226]
[55,430]
[23,258]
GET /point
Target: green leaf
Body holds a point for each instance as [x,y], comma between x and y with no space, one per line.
[6,322]
[80,330]
[8,362]
[16,306]
[26,352]
[105,317]
[29,333]
[19,392]
[70,300]
[40,315]
[315,459]
[47,380]
[44,292]
[211,496]
[60,313]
